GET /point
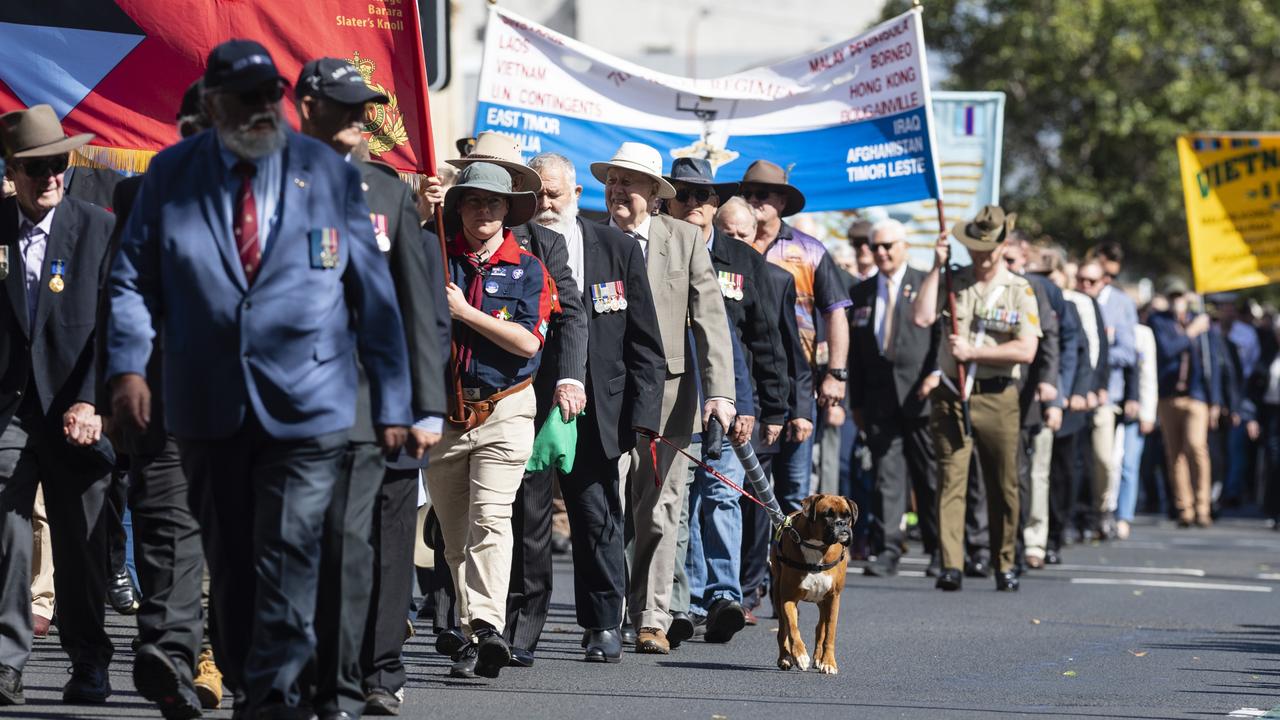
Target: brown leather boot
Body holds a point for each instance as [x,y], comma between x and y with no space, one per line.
[208,681]
[652,641]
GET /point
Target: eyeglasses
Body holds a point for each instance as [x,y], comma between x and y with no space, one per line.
[1088,281]
[760,195]
[492,203]
[860,242]
[44,166]
[701,194]
[877,247]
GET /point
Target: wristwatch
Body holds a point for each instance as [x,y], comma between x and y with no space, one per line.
[841,374]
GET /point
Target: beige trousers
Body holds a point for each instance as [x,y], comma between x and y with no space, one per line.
[656,514]
[1036,534]
[41,560]
[1102,424]
[1184,423]
[473,478]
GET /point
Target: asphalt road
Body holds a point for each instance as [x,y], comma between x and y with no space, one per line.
[1170,624]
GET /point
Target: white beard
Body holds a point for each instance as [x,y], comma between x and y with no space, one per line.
[250,146]
[560,222]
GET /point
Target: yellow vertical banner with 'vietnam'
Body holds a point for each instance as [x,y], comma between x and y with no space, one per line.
[1231,186]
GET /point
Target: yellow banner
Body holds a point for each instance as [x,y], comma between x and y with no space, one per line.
[1231,186]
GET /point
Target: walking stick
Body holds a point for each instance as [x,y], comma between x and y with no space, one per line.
[961,370]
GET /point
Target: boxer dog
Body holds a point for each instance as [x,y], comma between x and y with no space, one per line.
[809,562]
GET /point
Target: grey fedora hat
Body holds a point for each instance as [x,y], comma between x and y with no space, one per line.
[697,171]
[493,179]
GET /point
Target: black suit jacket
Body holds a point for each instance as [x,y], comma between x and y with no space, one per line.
[57,351]
[569,329]
[1045,367]
[416,271]
[800,399]
[95,186]
[626,366]
[756,323]
[879,387]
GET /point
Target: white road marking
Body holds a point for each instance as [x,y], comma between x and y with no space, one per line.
[1177,585]
[1123,570]
[1247,713]
[1268,576]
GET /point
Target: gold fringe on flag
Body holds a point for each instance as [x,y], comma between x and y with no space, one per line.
[122,160]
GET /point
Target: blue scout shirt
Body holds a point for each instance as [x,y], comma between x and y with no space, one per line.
[510,285]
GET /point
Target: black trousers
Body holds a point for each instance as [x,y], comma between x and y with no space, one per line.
[595,519]
[113,516]
[31,453]
[261,503]
[1064,481]
[395,515]
[1025,439]
[757,532]
[168,556]
[902,450]
[346,577]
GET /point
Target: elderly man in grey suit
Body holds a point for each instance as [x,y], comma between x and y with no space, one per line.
[688,301]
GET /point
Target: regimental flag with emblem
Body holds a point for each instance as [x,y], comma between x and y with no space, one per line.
[117,68]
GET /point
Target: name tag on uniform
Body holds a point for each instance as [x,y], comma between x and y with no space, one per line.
[862,316]
[731,285]
[609,296]
[324,248]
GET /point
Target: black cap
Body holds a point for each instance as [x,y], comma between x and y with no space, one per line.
[239,65]
[336,80]
[190,101]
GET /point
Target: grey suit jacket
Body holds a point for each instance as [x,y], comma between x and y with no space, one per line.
[687,295]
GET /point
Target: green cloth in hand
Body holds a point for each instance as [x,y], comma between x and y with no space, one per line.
[556,444]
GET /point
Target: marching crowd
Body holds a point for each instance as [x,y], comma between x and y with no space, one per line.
[272,352]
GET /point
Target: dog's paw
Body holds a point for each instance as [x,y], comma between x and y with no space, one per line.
[802,661]
[827,668]
[785,662]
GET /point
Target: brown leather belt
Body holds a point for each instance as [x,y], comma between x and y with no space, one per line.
[477,412]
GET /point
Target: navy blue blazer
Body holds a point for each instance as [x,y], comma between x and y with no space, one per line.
[283,347]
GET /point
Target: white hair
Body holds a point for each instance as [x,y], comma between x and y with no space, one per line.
[550,159]
[888,225]
[735,204]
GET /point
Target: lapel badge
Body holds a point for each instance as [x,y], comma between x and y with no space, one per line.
[300,182]
[57,269]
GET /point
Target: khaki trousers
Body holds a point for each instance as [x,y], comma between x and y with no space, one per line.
[995,435]
[1184,423]
[1105,488]
[473,478]
[41,560]
[656,514]
[1036,534]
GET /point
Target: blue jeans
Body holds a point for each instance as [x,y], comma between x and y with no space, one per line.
[1127,496]
[792,469]
[715,534]
[1238,451]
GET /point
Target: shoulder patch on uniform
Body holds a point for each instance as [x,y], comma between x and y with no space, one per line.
[1034,319]
[1030,292]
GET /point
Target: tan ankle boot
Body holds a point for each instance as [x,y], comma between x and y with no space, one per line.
[208,681]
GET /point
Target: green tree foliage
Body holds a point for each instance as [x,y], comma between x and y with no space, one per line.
[1098,91]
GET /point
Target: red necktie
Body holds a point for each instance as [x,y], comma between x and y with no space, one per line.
[244,221]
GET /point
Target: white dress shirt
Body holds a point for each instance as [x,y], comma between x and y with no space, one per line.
[33,243]
[885,286]
[640,233]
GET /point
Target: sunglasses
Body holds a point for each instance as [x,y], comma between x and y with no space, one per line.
[1088,281]
[701,194]
[760,195]
[860,242]
[877,247]
[262,95]
[44,166]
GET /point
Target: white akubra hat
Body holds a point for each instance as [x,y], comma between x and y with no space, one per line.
[640,158]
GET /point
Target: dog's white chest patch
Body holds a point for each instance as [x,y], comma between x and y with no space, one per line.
[815,586]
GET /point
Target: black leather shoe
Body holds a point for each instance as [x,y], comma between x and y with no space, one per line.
[950,579]
[724,620]
[11,686]
[158,680]
[121,594]
[628,633]
[935,565]
[492,653]
[464,662]
[89,685]
[1007,581]
[521,657]
[699,625]
[681,629]
[603,646]
[882,566]
[381,701]
[450,642]
[977,568]
[1052,557]
[283,712]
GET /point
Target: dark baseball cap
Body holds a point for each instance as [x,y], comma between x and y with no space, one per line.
[336,80]
[239,65]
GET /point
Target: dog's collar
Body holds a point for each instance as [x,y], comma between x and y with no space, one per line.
[810,567]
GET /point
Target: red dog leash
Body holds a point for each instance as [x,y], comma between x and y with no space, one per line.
[657,476]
